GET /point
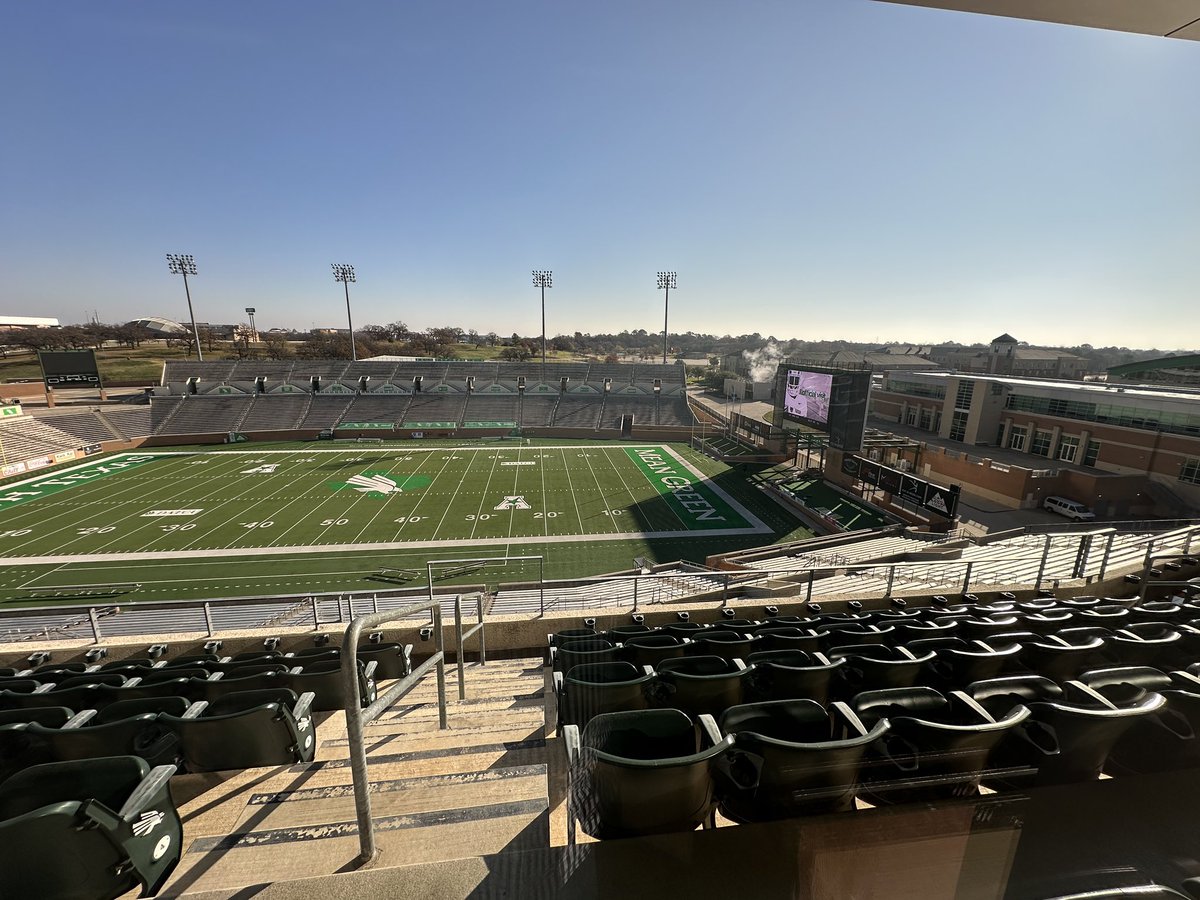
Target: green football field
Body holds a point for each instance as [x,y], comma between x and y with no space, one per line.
[277,518]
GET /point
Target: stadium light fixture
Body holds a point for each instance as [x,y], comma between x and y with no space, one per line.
[253,333]
[666,282]
[185,264]
[543,278]
[344,272]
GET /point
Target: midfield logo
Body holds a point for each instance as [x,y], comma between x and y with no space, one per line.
[373,484]
[517,502]
[261,470]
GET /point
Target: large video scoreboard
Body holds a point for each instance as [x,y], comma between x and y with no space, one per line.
[69,368]
[826,399]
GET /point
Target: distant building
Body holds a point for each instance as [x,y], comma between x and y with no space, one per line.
[8,323]
[160,327]
[1178,370]
[1006,356]
[875,360]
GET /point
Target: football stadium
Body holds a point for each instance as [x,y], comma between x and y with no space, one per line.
[313,626]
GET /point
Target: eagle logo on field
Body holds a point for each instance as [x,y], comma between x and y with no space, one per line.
[373,484]
[514,502]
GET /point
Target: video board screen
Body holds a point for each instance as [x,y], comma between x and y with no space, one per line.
[69,368]
[806,396]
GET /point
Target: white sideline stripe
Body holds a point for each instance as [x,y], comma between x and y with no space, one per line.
[224,553]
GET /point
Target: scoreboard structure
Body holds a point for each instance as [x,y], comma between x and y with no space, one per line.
[69,369]
[824,399]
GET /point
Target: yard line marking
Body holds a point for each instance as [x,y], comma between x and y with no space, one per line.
[485,496]
[571,488]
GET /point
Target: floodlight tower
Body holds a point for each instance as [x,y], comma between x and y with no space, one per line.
[543,279]
[666,281]
[344,272]
[185,265]
[253,332]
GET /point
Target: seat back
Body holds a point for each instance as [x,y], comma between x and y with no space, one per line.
[245,732]
[593,689]
[699,684]
[651,649]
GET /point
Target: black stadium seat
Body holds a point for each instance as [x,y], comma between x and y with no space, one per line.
[791,758]
[651,649]
[1165,741]
[700,684]
[124,728]
[257,728]
[791,674]
[643,772]
[937,746]
[18,750]
[591,689]
[94,829]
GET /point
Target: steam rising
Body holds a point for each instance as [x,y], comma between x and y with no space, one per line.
[763,363]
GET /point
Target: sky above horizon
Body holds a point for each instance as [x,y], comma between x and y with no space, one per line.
[817,170]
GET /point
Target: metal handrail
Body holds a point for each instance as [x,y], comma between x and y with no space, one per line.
[357,718]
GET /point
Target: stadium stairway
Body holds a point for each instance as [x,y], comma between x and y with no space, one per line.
[479,788]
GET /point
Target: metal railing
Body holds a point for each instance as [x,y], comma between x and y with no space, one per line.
[357,717]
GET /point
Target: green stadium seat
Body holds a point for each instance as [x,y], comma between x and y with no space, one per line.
[270,727]
[324,680]
[123,728]
[94,829]
[591,689]
[700,685]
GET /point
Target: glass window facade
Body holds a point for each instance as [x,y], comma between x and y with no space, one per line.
[915,389]
[1107,413]
[1041,443]
[1068,448]
[1092,453]
[962,398]
[958,426]
[1017,437]
[1190,472]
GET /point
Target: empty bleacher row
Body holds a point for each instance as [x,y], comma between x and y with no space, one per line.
[26,437]
[793,716]
[299,374]
[224,412]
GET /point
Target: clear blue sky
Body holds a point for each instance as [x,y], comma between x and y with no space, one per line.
[814,169]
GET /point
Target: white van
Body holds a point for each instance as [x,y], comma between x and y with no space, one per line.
[1069,508]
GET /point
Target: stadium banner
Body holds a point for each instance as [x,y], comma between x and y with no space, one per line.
[12,469]
[11,411]
[505,425]
[92,449]
[430,425]
[69,368]
[63,456]
[52,484]
[696,505]
[367,426]
[919,491]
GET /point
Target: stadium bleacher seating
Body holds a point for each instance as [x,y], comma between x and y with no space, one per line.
[202,414]
[286,411]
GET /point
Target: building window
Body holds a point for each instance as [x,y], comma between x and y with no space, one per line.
[958,426]
[1092,454]
[962,399]
[910,416]
[1190,471]
[926,420]
[1068,449]
[1017,436]
[1041,443]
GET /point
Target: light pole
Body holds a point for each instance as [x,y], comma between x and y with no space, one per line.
[253,332]
[543,279]
[344,272]
[185,265]
[666,281]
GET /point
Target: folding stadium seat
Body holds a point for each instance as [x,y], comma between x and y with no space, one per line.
[255,655]
[651,649]
[247,667]
[1060,660]
[1049,621]
[906,632]
[1161,611]
[791,675]
[392,660]
[980,629]
[791,758]
[48,669]
[574,653]
[741,626]
[791,622]
[784,637]
[96,828]
[18,750]
[83,696]
[937,746]
[1163,741]
[725,644]
[687,630]
[324,680]
[644,772]
[312,655]
[1078,603]
[1154,644]
[19,685]
[192,660]
[592,689]
[870,667]
[846,635]
[1141,892]
[572,634]
[123,728]
[847,618]
[271,727]
[220,684]
[1037,605]
[620,633]
[112,679]
[1106,615]
[121,665]
[700,684]
[1069,732]
[955,666]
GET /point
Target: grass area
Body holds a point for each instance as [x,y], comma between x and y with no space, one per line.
[818,496]
[274,518]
